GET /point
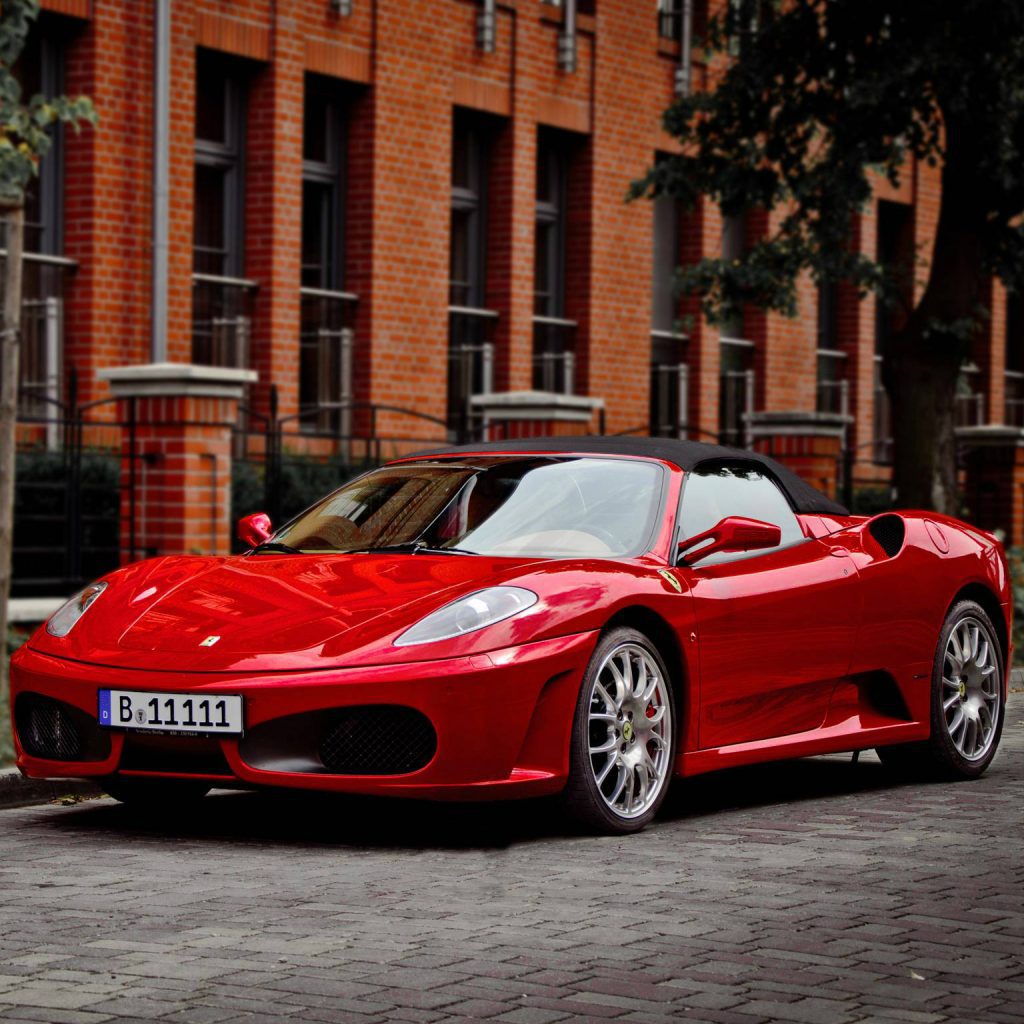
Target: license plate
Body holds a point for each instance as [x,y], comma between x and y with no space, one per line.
[211,713]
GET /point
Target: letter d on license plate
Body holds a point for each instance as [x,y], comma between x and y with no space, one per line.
[211,713]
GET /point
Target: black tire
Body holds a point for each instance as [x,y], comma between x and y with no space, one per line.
[583,797]
[938,757]
[155,793]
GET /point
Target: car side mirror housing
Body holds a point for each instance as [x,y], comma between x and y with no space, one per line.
[733,533]
[254,529]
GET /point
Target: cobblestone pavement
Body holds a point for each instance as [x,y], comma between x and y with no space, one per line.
[809,891]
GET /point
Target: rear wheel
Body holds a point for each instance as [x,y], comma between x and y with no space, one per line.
[623,738]
[155,792]
[967,701]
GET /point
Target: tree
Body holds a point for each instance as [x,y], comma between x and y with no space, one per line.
[814,96]
[25,138]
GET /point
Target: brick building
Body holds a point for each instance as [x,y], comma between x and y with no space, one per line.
[416,204]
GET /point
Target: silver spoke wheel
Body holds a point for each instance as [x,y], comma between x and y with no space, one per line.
[970,688]
[629,729]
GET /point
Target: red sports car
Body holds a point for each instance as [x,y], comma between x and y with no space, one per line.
[586,616]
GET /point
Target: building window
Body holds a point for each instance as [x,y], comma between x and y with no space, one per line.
[673,16]
[736,387]
[219,180]
[833,389]
[669,380]
[327,310]
[1014,412]
[467,264]
[554,336]
[744,19]
[587,7]
[322,221]
[549,240]
[895,251]
[470,324]
[221,300]
[40,68]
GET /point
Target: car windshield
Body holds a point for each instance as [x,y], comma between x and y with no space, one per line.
[535,507]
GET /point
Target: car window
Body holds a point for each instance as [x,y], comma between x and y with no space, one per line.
[711,494]
[541,507]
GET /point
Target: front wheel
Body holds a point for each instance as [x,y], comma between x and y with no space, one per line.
[623,738]
[967,701]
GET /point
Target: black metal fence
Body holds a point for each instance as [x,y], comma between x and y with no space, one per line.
[80,467]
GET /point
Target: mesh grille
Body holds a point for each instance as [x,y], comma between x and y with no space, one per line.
[47,730]
[889,531]
[377,740]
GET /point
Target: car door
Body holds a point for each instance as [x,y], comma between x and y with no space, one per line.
[775,628]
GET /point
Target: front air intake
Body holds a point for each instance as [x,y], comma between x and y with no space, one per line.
[377,740]
[56,731]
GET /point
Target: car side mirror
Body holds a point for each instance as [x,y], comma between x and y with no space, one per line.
[254,529]
[733,533]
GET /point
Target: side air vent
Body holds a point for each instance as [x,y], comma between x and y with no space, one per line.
[890,533]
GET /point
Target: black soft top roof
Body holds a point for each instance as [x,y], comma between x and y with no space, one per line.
[687,455]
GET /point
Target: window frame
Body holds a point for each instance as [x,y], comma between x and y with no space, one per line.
[551,212]
[472,200]
[228,157]
[49,190]
[330,173]
[766,473]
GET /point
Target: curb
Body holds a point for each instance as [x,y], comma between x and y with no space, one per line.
[17,791]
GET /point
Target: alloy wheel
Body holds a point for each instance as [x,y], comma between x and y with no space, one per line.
[629,727]
[970,688]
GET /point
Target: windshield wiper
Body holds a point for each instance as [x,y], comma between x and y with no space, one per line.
[276,547]
[411,547]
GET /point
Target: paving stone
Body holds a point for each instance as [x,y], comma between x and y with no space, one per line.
[807,892]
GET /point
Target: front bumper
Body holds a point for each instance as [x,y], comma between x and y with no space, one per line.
[502,720]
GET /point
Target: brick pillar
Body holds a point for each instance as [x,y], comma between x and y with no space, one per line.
[177,422]
[994,481]
[808,443]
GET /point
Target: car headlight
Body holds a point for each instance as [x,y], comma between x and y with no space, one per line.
[468,614]
[64,618]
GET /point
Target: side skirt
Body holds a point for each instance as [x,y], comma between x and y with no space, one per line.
[831,739]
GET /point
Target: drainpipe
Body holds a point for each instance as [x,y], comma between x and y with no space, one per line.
[567,39]
[486,26]
[685,69]
[161,176]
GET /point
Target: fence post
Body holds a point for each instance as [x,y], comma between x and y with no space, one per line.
[73,525]
[272,460]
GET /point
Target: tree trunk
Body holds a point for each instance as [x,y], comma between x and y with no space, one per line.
[10,335]
[921,364]
[922,387]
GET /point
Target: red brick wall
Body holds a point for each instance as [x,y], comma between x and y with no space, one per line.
[409,63]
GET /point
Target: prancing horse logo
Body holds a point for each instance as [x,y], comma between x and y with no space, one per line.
[209,641]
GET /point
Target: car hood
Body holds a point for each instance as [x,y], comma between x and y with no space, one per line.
[266,612]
